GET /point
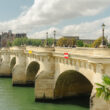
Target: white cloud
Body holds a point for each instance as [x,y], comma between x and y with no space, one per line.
[50,12]
[91,30]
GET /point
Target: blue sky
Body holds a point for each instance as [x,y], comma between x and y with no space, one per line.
[11,9]
[70,17]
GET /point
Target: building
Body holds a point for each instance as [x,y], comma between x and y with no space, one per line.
[6,37]
[86,41]
[70,37]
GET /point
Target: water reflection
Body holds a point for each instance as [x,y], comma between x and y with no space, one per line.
[22,98]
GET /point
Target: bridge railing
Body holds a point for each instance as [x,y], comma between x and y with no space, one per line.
[101,52]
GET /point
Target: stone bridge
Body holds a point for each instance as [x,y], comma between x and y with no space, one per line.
[54,76]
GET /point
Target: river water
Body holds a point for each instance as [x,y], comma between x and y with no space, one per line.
[22,98]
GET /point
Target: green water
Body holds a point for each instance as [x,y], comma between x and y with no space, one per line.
[22,98]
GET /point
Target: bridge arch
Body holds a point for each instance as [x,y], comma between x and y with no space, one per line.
[71,83]
[31,72]
[12,63]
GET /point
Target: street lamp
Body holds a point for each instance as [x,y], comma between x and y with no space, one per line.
[54,43]
[103,28]
[103,43]
[47,38]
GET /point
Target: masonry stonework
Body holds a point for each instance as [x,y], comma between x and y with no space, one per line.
[54,76]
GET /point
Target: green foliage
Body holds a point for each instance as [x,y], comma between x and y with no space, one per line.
[26,41]
[98,41]
[9,44]
[71,42]
[108,45]
[87,45]
[106,80]
[34,42]
[62,42]
[19,41]
[65,42]
[103,90]
[79,43]
[50,41]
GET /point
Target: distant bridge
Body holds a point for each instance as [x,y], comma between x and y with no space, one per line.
[54,76]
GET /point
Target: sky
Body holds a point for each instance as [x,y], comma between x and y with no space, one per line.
[81,18]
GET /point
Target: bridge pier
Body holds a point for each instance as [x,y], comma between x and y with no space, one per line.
[44,87]
[18,73]
[97,103]
[44,82]
[5,70]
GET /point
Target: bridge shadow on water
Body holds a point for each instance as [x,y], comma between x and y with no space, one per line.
[6,76]
[82,101]
[79,100]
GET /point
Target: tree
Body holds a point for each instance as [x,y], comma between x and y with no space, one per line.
[38,42]
[66,42]
[23,41]
[103,90]
[17,42]
[98,41]
[9,44]
[108,45]
[87,45]
[26,41]
[34,42]
[50,41]
[62,42]
[71,42]
[79,43]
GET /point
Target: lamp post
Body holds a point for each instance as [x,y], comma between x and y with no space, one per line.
[54,43]
[47,38]
[103,28]
[103,43]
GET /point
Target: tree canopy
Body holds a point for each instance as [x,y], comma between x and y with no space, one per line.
[79,43]
[50,41]
[98,41]
[65,42]
[26,41]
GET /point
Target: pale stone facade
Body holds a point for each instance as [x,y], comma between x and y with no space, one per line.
[56,77]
